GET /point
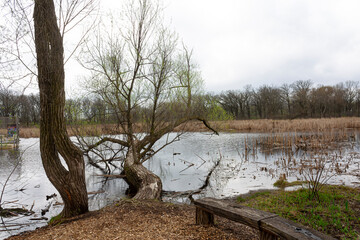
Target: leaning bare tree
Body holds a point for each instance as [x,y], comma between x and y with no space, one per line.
[44,58]
[148,81]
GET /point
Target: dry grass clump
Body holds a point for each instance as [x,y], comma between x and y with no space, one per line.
[319,140]
[29,132]
[92,129]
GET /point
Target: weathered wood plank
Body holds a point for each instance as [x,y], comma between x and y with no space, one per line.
[238,213]
[270,225]
[287,229]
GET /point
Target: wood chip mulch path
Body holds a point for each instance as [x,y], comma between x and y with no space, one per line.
[130,219]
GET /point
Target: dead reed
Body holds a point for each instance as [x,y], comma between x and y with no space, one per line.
[29,132]
[297,125]
[262,125]
[313,157]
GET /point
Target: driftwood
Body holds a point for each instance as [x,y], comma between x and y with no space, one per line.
[46,209]
[11,212]
[270,226]
[50,196]
[39,218]
[189,194]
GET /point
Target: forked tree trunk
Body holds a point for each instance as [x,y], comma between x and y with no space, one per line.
[54,140]
[147,185]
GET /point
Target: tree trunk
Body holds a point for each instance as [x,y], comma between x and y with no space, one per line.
[54,140]
[147,184]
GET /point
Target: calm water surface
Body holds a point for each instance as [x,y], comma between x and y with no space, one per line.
[182,166]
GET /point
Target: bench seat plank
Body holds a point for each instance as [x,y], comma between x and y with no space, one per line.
[235,212]
[271,226]
[287,229]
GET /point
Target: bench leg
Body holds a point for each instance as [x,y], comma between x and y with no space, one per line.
[267,236]
[203,217]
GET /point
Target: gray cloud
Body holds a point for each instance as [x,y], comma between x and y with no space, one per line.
[261,41]
[240,42]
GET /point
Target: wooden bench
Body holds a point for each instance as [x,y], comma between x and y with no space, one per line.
[270,225]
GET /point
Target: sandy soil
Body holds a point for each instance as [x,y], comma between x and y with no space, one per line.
[130,219]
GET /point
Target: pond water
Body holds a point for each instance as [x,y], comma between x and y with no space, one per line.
[182,166]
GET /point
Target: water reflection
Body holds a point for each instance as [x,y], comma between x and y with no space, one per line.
[245,164]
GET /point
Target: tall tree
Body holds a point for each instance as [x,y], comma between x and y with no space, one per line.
[141,70]
[54,141]
[322,101]
[232,103]
[301,93]
[9,101]
[351,89]
[285,94]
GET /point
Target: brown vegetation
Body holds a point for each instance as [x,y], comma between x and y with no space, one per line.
[129,219]
[29,132]
[297,125]
[261,125]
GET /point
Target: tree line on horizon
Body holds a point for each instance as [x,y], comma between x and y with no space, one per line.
[299,99]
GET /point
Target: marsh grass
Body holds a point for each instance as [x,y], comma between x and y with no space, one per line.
[29,132]
[337,213]
[313,158]
[296,125]
[261,125]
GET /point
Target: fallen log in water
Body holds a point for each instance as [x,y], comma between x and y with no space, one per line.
[11,212]
[39,218]
[50,196]
[46,209]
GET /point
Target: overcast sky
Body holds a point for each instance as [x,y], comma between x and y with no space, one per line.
[257,42]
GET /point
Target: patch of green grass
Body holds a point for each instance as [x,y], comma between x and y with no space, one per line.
[252,196]
[282,183]
[335,213]
[58,219]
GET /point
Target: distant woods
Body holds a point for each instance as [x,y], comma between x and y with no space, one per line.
[300,99]
[289,101]
[26,107]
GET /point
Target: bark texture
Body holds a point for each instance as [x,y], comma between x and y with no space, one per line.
[147,185]
[54,141]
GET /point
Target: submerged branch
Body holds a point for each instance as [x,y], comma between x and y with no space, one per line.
[205,122]
[190,193]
